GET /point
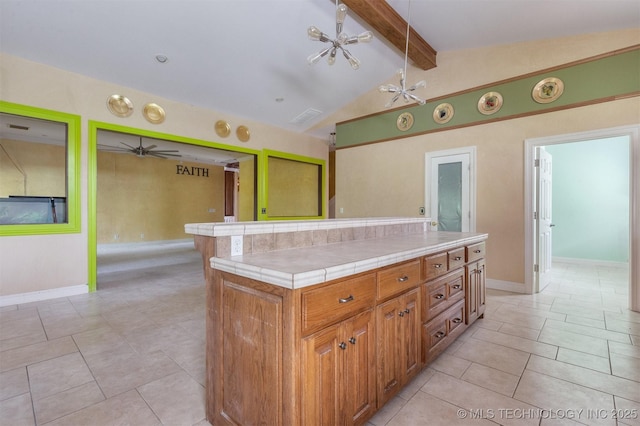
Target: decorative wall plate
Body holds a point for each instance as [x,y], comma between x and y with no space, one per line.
[404,121]
[119,105]
[242,132]
[490,103]
[443,113]
[547,90]
[153,113]
[222,128]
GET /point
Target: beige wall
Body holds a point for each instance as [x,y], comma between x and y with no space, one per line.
[391,181]
[144,199]
[41,169]
[40,263]
[294,188]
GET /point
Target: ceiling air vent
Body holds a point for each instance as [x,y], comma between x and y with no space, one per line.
[307,115]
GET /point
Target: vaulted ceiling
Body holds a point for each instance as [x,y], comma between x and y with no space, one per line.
[247,58]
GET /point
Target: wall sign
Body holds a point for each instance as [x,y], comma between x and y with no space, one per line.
[191,171]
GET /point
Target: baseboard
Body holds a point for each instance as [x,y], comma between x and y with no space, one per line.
[590,262]
[505,286]
[36,296]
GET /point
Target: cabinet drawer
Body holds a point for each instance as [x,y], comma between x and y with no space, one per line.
[441,293]
[435,265]
[396,279]
[440,332]
[332,303]
[456,258]
[475,252]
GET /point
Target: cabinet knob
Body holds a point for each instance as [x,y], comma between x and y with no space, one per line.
[346,299]
[438,296]
[401,313]
[407,311]
[477,251]
[352,340]
[456,320]
[437,265]
[457,258]
[342,345]
[456,287]
[439,334]
[403,279]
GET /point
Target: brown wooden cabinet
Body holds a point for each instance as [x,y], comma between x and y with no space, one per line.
[398,348]
[339,373]
[336,352]
[476,291]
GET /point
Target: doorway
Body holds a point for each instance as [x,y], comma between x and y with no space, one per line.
[579,239]
[450,189]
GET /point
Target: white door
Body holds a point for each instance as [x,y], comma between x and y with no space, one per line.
[542,218]
[449,191]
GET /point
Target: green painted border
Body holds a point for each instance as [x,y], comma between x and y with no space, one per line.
[600,79]
[73,122]
[92,177]
[265,184]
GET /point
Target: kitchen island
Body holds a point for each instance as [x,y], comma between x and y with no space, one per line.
[322,322]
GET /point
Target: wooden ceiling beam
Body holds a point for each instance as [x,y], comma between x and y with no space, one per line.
[385,20]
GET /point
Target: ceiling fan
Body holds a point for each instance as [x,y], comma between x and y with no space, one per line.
[142,151]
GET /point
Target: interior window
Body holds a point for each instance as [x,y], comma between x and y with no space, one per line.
[36,158]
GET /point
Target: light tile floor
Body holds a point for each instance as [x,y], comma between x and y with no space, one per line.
[133,353]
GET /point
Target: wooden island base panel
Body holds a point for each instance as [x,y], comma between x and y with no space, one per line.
[327,333]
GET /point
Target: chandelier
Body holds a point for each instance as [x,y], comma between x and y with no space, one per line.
[339,43]
[402,90]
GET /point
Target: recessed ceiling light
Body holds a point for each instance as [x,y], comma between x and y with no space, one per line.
[161,58]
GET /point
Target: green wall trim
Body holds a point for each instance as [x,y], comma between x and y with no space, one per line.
[72,121]
[92,177]
[263,210]
[600,79]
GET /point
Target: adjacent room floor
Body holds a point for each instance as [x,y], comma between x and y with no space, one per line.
[133,353]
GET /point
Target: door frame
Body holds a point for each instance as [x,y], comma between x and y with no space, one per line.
[633,132]
[429,156]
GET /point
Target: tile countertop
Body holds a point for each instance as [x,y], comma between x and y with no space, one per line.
[302,267]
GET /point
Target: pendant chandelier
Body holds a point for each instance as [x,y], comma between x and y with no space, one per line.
[339,43]
[402,90]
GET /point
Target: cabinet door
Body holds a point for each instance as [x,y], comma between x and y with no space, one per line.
[389,347]
[476,291]
[410,324]
[359,391]
[321,378]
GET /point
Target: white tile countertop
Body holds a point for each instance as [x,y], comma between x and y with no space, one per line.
[302,267]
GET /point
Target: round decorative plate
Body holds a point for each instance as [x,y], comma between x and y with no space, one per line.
[222,128]
[119,105]
[404,121]
[443,113]
[242,132]
[547,90]
[153,113]
[490,103]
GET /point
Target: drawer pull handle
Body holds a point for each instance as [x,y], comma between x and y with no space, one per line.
[457,258]
[477,251]
[438,296]
[456,320]
[403,279]
[437,265]
[352,340]
[440,334]
[401,313]
[456,287]
[407,311]
[342,345]
[347,299]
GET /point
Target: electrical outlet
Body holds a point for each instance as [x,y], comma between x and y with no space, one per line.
[236,245]
[116,236]
[421,211]
[211,210]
